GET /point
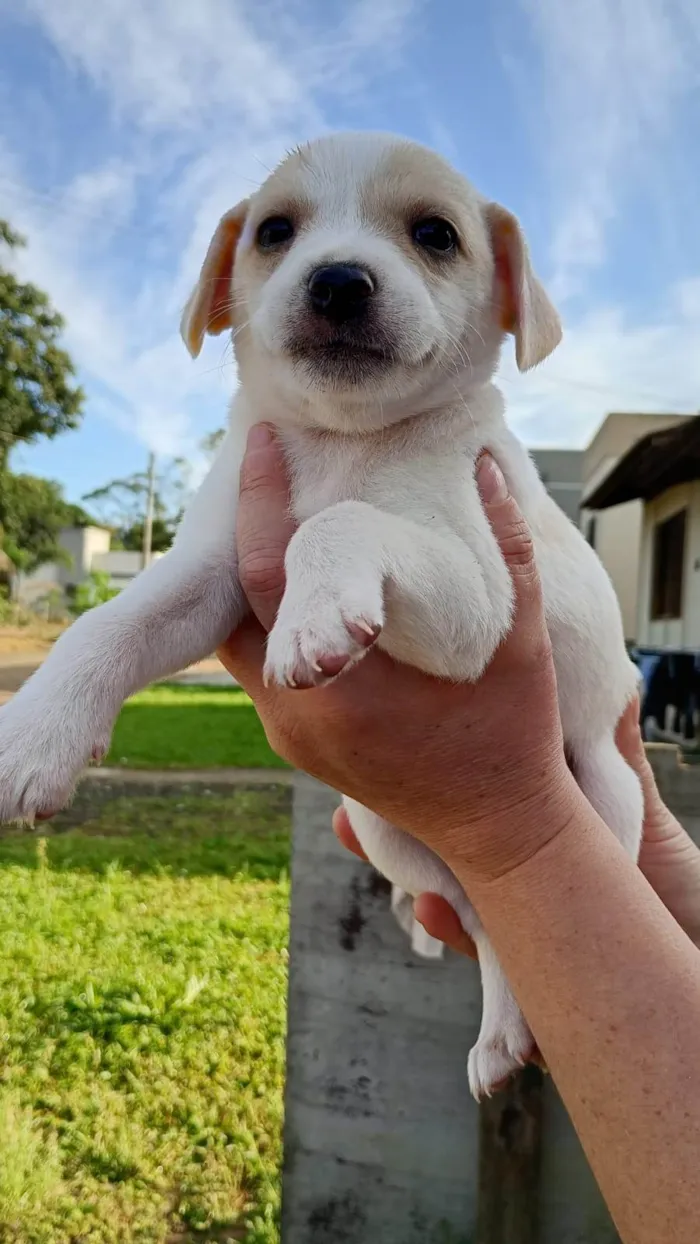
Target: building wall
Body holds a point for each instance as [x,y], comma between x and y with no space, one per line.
[685,631]
[618,531]
[617,541]
[616,434]
[82,544]
[88,549]
[561,471]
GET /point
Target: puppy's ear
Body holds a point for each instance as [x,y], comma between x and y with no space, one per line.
[525,309]
[208,308]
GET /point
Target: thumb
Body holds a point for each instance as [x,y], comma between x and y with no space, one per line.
[263,523]
[516,545]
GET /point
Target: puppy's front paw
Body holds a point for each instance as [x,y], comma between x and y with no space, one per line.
[44,746]
[496,1057]
[318,636]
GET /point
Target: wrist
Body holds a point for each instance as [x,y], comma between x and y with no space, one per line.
[510,836]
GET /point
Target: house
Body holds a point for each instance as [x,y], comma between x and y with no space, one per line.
[561,470]
[89,550]
[660,475]
[616,531]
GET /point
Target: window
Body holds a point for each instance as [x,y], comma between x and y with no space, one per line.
[667,568]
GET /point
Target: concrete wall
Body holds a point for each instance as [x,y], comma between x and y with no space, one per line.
[381,1132]
[381,1135]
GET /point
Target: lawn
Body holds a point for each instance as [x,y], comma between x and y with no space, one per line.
[143,969]
[170,727]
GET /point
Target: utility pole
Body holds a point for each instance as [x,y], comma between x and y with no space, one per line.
[150,505]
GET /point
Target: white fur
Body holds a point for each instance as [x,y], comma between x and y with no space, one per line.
[392,532]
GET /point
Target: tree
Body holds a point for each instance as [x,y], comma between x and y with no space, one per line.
[32,513]
[38,396]
[121,506]
[121,503]
[95,590]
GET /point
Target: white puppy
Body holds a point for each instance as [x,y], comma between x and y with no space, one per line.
[369,288]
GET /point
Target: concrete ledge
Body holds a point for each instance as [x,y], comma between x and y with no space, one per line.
[191,777]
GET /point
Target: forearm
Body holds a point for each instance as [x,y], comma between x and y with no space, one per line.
[611,988]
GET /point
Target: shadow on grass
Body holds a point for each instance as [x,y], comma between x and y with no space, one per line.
[243,832]
[172,726]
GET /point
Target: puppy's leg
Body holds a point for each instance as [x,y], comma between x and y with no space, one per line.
[177,612]
[408,863]
[612,787]
[352,568]
[505,1042]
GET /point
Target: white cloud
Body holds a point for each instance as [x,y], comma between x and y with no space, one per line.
[172,64]
[613,73]
[607,361]
[205,97]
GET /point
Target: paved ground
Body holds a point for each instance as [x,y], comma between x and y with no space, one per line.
[191,777]
[16,667]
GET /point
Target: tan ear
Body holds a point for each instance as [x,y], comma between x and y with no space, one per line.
[526,310]
[208,308]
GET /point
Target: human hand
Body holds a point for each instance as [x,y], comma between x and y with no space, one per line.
[669,858]
[476,766]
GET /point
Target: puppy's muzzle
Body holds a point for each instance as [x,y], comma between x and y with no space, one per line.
[340,293]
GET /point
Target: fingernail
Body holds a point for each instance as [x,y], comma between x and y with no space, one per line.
[259,437]
[490,481]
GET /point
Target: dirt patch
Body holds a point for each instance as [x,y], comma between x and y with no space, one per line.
[37,637]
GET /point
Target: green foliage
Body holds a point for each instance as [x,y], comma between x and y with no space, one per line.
[174,726]
[95,590]
[38,396]
[162,536]
[143,967]
[32,513]
[121,505]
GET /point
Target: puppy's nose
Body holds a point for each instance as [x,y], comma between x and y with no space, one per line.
[340,291]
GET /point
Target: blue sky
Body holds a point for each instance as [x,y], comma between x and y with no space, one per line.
[128,126]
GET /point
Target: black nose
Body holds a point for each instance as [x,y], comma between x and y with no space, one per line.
[340,291]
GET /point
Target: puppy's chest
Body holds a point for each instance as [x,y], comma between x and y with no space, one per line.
[429,488]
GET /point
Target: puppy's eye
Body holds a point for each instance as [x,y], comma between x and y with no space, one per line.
[274,231]
[434,234]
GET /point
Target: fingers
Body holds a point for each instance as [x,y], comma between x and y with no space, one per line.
[516,545]
[442,922]
[243,655]
[629,738]
[264,526]
[344,833]
[433,912]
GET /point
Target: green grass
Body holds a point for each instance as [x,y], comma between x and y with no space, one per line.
[143,970]
[176,727]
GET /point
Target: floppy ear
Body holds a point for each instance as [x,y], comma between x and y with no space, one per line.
[208,308]
[526,310]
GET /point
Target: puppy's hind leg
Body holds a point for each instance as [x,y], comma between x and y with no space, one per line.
[505,1042]
[612,787]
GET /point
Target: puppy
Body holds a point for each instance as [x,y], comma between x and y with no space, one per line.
[369,289]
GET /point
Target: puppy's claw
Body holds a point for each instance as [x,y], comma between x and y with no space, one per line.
[363,632]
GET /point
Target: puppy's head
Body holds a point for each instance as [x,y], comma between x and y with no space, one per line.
[365,281]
